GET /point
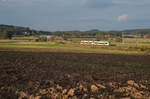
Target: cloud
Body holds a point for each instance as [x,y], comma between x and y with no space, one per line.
[132,2]
[98,3]
[75,14]
[123,17]
[3,0]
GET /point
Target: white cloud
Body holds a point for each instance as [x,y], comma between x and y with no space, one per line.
[123,17]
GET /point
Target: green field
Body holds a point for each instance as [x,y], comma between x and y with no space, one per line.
[68,47]
[24,38]
[129,47]
[132,44]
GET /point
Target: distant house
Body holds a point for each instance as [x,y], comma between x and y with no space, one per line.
[45,37]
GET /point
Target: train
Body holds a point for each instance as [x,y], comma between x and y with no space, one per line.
[95,43]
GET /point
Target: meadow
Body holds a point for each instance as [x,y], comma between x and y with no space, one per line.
[126,48]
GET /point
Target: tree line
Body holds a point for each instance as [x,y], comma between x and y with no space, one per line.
[8,31]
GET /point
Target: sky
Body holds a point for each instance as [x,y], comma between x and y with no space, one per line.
[67,15]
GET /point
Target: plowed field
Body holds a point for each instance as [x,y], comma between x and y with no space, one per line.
[69,75]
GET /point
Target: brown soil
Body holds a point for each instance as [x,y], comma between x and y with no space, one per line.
[69,75]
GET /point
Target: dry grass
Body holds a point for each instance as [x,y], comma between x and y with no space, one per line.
[134,40]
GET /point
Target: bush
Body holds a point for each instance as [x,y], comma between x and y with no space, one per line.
[6,35]
[43,39]
[142,49]
[37,40]
[118,39]
[52,38]
[112,44]
[60,42]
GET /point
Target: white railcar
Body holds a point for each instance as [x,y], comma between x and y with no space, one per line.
[95,43]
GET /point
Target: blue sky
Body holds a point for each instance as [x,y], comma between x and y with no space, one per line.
[55,15]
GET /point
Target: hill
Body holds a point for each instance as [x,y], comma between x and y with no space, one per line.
[18,30]
[21,31]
